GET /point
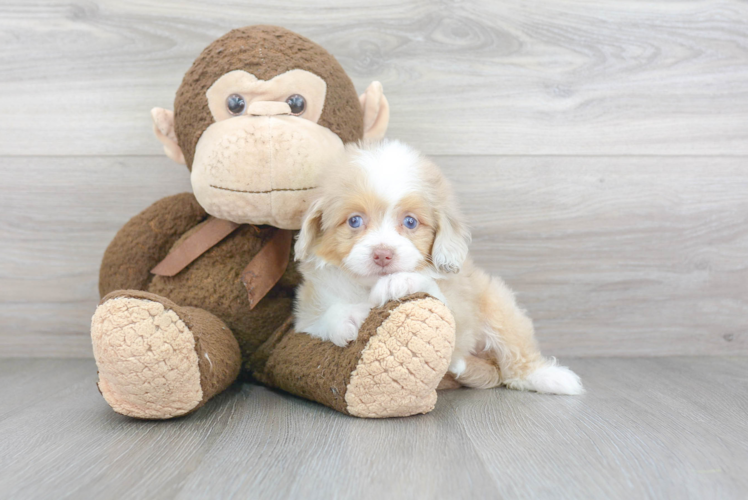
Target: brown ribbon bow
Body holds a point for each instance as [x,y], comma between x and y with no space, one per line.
[260,275]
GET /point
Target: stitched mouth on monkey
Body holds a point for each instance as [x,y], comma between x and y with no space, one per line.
[261,169]
[261,192]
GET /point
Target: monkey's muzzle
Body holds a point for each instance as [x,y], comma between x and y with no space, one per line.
[261,169]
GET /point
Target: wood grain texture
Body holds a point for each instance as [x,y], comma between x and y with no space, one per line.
[572,77]
[610,255]
[61,213]
[647,428]
[542,113]
[636,256]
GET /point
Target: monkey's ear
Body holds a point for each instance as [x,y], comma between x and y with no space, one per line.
[163,126]
[376,111]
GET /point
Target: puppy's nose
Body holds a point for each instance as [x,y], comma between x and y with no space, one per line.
[382,256]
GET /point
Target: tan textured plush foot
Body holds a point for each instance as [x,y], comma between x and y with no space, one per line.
[148,367]
[403,362]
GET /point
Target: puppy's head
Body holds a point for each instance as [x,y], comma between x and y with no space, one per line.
[384,209]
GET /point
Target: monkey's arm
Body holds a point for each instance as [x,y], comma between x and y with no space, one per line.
[145,240]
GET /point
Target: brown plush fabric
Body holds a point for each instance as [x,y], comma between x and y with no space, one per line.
[207,303]
[264,51]
[145,240]
[314,369]
[213,283]
[218,354]
[211,300]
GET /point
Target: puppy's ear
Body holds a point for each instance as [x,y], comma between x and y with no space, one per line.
[451,241]
[311,228]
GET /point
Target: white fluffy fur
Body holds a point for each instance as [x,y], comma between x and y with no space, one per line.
[495,339]
[550,379]
[389,168]
[339,307]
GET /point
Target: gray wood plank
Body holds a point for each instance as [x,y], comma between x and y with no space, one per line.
[647,428]
[616,256]
[63,212]
[610,255]
[342,455]
[27,382]
[574,77]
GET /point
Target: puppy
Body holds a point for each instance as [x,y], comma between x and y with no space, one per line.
[387,225]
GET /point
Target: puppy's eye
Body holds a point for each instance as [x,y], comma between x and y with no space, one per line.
[297,104]
[410,222]
[355,221]
[236,104]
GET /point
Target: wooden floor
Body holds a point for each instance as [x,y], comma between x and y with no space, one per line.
[647,428]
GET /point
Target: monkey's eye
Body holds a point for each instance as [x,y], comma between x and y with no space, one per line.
[355,221]
[410,222]
[236,104]
[297,104]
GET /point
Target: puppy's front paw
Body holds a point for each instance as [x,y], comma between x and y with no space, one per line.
[395,286]
[346,330]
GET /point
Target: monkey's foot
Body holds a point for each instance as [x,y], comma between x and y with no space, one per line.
[157,360]
[403,362]
[391,370]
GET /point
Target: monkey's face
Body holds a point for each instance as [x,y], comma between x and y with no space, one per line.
[258,162]
[258,115]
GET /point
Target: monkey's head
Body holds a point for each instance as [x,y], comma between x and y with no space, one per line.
[257,116]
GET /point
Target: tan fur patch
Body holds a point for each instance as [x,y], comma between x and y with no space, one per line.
[338,237]
[423,235]
[480,373]
[419,207]
[148,367]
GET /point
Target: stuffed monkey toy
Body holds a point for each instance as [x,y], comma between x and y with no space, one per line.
[198,288]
